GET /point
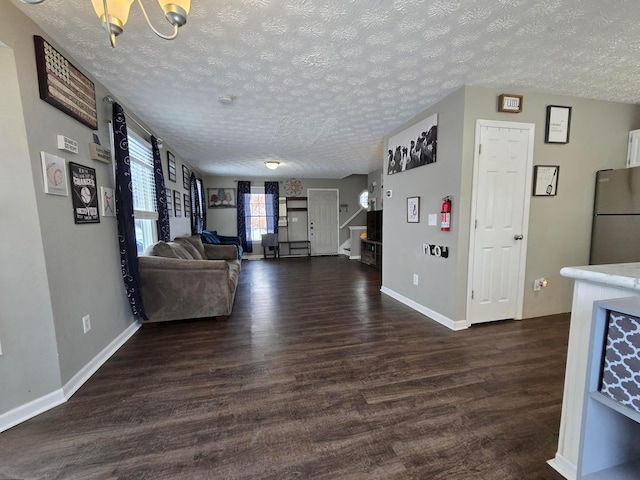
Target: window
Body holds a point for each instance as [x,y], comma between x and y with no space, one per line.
[363,199]
[256,220]
[145,211]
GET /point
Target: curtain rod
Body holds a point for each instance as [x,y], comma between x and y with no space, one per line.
[109,99]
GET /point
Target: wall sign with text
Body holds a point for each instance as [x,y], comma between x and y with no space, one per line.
[85,194]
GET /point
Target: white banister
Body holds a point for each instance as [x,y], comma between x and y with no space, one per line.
[351,218]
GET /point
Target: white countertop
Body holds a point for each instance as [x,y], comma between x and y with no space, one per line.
[625,275]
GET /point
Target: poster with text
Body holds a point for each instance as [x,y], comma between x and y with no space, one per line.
[85,194]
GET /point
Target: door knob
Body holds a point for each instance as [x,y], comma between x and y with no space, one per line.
[518,237]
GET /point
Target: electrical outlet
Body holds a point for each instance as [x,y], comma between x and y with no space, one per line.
[415,279]
[86,323]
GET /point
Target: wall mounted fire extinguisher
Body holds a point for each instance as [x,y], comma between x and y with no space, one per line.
[445,215]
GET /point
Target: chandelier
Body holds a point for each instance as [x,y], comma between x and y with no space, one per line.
[114,14]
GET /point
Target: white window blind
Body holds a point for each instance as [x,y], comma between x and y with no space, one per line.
[143,183]
[142,178]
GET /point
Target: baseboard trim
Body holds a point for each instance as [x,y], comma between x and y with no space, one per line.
[92,367]
[31,409]
[563,466]
[432,314]
[47,402]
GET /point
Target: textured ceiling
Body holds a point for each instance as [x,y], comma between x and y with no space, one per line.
[318,83]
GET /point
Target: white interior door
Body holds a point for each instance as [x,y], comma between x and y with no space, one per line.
[500,215]
[323,221]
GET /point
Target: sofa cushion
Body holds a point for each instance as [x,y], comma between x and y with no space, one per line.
[193,245]
[180,251]
[209,236]
[160,249]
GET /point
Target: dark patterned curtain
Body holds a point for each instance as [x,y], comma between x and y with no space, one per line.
[244,213]
[124,214]
[162,224]
[203,204]
[272,191]
[198,207]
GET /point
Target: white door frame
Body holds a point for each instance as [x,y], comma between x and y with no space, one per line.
[337,190]
[525,217]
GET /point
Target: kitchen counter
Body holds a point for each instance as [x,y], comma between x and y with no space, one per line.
[592,283]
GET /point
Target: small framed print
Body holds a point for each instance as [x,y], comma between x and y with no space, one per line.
[186,176]
[171,166]
[169,201]
[187,205]
[558,124]
[177,204]
[413,209]
[545,180]
[108,204]
[510,103]
[54,173]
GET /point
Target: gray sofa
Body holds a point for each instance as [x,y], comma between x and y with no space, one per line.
[188,279]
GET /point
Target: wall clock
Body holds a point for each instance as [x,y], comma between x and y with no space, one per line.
[293,187]
[510,103]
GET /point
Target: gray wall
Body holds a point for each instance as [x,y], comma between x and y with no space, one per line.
[559,227]
[71,270]
[29,364]
[402,255]
[224,219]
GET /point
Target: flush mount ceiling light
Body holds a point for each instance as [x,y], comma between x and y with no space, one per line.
[117,13]
[272,164]
[226,99]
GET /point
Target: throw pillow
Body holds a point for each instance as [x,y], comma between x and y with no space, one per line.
[210,237]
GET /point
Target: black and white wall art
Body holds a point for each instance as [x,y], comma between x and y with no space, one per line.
[414,147]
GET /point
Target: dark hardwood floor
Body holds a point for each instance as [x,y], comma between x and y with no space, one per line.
[316,375]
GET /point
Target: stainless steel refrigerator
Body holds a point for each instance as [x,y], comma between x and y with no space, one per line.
[615,236]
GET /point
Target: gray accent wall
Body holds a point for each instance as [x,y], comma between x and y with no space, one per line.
[53,271]
[559,227]
[402,255]
[29,364]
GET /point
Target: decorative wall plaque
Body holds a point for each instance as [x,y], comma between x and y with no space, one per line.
[64,86]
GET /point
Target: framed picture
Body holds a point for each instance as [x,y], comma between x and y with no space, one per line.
[171,166]
[64,86]
[108,205]
[84,195]
[413,209]
[414,147]
[187,205]
[169,201]
[186,176]
[558,124]
[221,197]
[177,204]
[54,173]
[545,180]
